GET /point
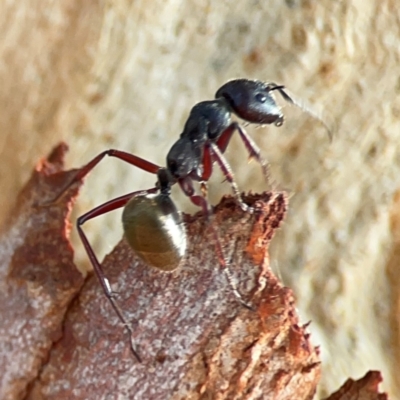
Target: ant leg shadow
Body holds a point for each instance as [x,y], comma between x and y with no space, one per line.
[239,297]
[224,264]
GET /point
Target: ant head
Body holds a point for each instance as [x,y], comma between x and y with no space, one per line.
[183,158]
[252,100]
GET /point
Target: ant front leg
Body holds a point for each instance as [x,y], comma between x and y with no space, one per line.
[121,155]
[251,147]
[213,151]
[105,284]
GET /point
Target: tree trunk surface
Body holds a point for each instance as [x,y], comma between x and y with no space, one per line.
[125,74]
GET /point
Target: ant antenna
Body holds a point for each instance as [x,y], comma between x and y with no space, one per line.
[304,106]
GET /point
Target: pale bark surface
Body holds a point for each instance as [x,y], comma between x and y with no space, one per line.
[125,75]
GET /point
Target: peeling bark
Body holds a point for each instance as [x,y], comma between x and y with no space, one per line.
[61,339]
[195,339]
[37,276]
[365,388]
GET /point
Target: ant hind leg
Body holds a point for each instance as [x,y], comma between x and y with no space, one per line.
[104,282]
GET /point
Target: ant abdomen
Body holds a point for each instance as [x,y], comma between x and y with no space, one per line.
[252,100]
[154,229]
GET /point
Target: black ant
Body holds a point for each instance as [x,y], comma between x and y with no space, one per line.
[152,224]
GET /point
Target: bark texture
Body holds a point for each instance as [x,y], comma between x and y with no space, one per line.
[365,388]
[38,278]
[124,74]
[195,339]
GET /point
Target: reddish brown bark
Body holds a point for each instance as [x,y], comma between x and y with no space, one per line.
[365,388]
[37,276]
[195,339]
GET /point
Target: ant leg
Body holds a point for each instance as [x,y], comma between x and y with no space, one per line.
[127,157]
[226,136]
[203,203]
[207,171]
[204,189]
[252,148]
[225,267]
[186,185]
[226,170]
[212,153]
[105,284]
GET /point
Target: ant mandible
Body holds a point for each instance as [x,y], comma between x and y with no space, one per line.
[152,224]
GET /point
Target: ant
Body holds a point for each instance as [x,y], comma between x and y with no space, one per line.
[153,225]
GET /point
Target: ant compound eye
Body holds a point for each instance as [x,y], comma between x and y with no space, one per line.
[261,98]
